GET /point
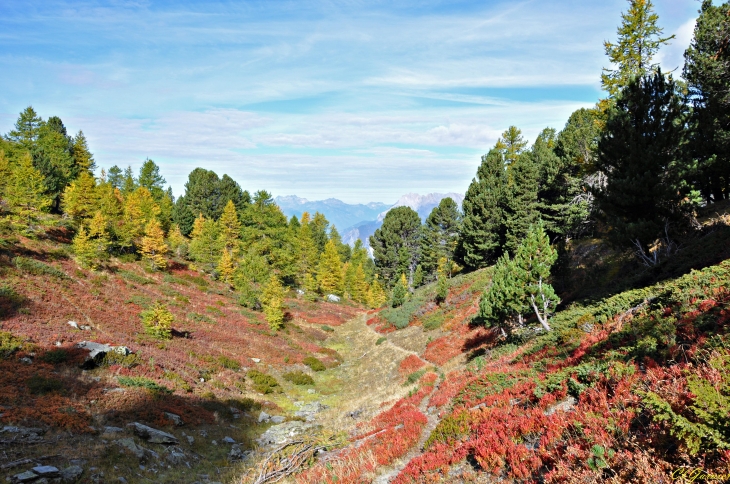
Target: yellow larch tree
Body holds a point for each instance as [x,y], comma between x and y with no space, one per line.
[329,271]
[153,247]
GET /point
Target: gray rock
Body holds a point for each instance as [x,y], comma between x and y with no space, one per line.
[333,298]
[277,419]
[311,391]
[71,474]
[307,411]
[73,324]
[122,480]
[565,405]
[264,417]
[26,476]
[355,414]
[113,430]
[26,360]
[279,434]
[228,440]
[175,456]
[190,439]
[46,471]
[256,360]
[122,350]
[132,446]
[174,418]
[96,350]
[151,435]
[84,327]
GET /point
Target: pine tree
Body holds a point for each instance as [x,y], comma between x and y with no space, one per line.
[84,249]
[442,283]
[396,244]
[115,177]
[153,248]
[639,39]
[230,227]
[521,209]
[129,182]
[483,222]
[272,300]
[641,152]
[27,128]
[707,71]
[418,277]
[533,260]
[226,268]
[329,270]
[319,227]
[511,145]
[503,302]
[206,246]
[400,292]
[25,192]
[440,236]
[52,157]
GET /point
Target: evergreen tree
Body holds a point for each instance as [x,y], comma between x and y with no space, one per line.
[52,157]
[153,248]
[206,244]
[151,179]
[442,288]
[511,145]
[27,128]
[306,248]
[25,192]
[344,250]
[400,292]
[230,227]
[329,270]
[396,244]
[639,39]
[418,277]
[230,190]
[272,301]
[483,222]
[129,182]
[521,203]
[641,152]
[440,235]
[533,261]
[183,216]
[503,301]
[319,227]
[115,177]
[203,194]
[707,72]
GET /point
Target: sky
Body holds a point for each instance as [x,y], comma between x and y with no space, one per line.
[361,100]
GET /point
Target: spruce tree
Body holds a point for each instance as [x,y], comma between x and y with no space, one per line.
[639,39]
[707,72]
[440,235]
[396,244]
[483,221]
[153,248]
[400,292]
[641,152]
[115,177]
[329,270]
[522,200]
[52,157]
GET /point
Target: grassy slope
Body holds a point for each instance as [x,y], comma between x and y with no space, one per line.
[215,339]
[628,387]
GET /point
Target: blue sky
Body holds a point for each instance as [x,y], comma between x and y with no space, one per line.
[357,100]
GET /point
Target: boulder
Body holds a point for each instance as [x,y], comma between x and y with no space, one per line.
[46,471]
[308,410]
[264,417]
[565,405]
[333,298]
[278,434]
[228,440]
[151,435]
[132,446]
[26,476]
[71,474]
[277,419]
[174,418]
[98,350]
[73,324]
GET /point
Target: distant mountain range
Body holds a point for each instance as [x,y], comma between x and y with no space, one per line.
[342,215]
[361,221]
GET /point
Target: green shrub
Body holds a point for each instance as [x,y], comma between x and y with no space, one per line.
[415,376]
[229,363]
[157,321]
[55,356]
[125,361]
[244,404]
[39,385]
[213,310]
[263,383]
[135,278]
[38,268]
[142,382]
[139,300]
[449,430]
[314,363]
[199,318]
[178,380]
[381,340]
[329,329]
[9,344]
[9,300]
[169,278]
[298,378]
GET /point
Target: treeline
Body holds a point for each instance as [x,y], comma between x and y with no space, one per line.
[634,169]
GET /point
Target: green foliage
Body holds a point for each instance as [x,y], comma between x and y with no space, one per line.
[142,382]
[199,318]
[442,289]
[263,383]
[599,457]
[450,429]
[314,363]
[9,344]
[381,340]
[329,329]
[440,236]
[157,321]
[38,268]
[329,271]
[400,292]
[272,300]
[112,358]
[415,376]
[641,152]
[298,378]
[55,357]
[639,39]
[38,385]
[228,363]
[135,278]
[396,245]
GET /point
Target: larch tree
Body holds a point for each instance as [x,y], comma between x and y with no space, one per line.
[25,192]
[27,128]
[153,248]
[230,227]
[272,302]
[639,39]
[329,270]
[226,267]
[83,249]
[80,198]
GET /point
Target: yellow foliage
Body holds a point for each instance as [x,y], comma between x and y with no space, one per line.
[153,247]
[226,268]
[329,272]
